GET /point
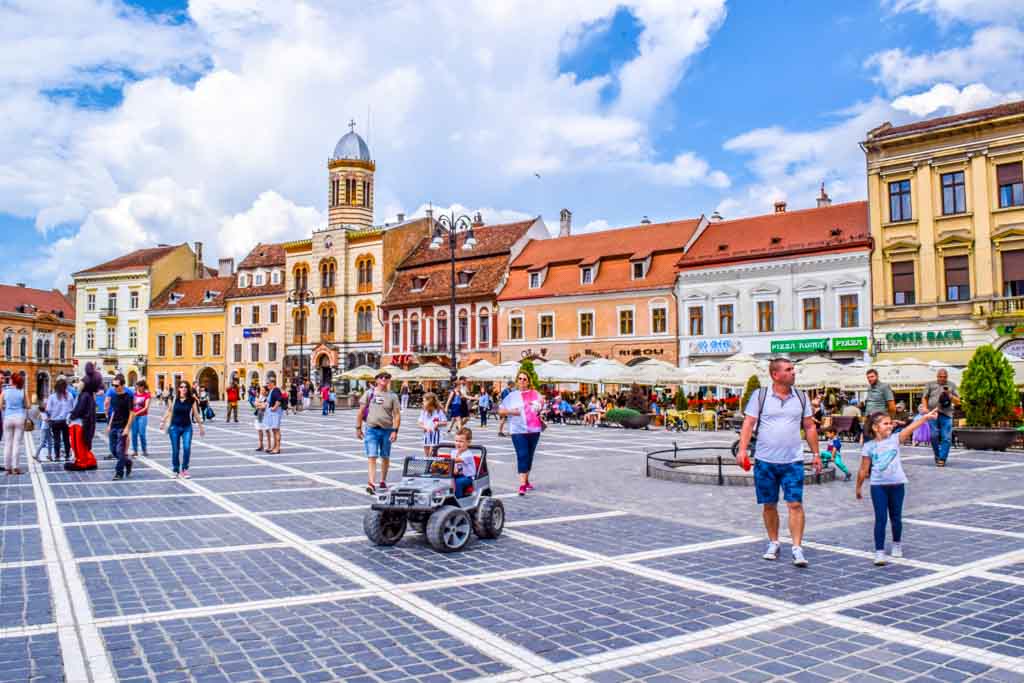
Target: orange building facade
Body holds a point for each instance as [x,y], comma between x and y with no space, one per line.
[37,335]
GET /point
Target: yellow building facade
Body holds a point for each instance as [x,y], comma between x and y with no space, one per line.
[187,335]
[946,206]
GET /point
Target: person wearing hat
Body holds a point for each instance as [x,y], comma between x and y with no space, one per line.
[381,410]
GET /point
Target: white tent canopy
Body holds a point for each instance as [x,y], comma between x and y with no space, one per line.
[818,372]
[734,371]
[426,372]
[475,370]
[908,373]
[363,372]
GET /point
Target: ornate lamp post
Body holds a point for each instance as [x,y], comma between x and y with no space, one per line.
[449,227]
[300,296]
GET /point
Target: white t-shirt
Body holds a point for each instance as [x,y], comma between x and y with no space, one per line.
[527,420]
[886,467]
[427,420]
[465,458]
[778,437]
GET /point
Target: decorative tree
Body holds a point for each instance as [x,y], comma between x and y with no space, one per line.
[753,384]
[680,399]
[527,366]
[988,392]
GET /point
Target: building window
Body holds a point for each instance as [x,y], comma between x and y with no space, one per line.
[1013,273]
[46,349]
[254,352]
[179,345]
[414,332]
[696,317]
[534,280]
[335,191]
[39,349]
[198,345]
[273,313]
[111,338]
[463,328]
[1010,178]
[725,319]
[300,316]
[659,320]
[766,316]
[258,279]
[301,274]
[586,275]
[849,315]
[366,193]
[275,277]
[90,342]
[484,336]
[111,301]
[133,300]
[327,320]
[418,283]
[812,313]
[243,280]
[272,352]
[350,191]
[63,349]
[626,321]
[442,330]
[958,287]
[587,324]
[215,345]
[238,315]
[90,302]
[364,273]
[954,194]
[364,320]
[899,201]
[254,315]
[237,353]
[328,274]
[638,270]
[396,333]
[133,337]
[463,278]
[903,283]
[546,328]
[515,327]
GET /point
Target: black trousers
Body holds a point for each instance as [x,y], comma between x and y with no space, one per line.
[59,430]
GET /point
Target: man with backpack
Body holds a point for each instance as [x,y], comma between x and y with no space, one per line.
[771,432]
[381,411]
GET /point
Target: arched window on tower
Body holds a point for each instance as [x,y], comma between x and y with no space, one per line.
[335,191]
[366,193]
[350,192]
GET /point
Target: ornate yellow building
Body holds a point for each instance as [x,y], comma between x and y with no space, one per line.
[342,269]
[946,205]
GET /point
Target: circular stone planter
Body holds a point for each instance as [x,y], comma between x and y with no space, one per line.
[705,471]
[638,422]
[982,439]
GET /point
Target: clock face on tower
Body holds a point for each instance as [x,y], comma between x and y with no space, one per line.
[328,242]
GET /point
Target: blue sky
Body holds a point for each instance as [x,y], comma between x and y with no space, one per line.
[156,121]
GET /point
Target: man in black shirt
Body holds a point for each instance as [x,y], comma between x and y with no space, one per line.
[119,421]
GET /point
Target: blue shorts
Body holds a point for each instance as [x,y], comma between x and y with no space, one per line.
[768,477]
[377,442]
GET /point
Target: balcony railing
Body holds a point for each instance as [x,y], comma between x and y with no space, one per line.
[1000,307]
[108,312]
[107,351]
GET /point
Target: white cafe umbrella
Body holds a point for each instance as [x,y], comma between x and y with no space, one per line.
[604,371]
[905,374]
[734,371]
[818,372]
[555,372]
[657,372]
[428,372]
[504,371]
[363,372]
[475,370]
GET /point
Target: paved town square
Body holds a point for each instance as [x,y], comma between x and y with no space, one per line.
[257,569]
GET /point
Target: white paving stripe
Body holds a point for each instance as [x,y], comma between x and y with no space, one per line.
[178,552]
[1001,505]
[963,527]
[136,520]
[27,631]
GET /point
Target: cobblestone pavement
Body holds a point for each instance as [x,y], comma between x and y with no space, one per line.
[257,569]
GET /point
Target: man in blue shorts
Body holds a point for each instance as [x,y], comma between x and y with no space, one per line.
[774,416]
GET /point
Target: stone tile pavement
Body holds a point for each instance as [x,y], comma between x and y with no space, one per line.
[257,569]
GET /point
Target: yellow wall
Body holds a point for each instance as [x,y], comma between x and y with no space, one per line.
[179,263]
[188,365]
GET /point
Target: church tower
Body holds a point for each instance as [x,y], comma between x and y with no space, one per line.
[350,183]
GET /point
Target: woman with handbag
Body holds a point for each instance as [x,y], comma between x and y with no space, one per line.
[12,403]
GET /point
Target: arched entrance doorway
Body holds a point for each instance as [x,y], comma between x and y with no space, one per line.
[254,378]
[324,367]
[42,385]
[208,378]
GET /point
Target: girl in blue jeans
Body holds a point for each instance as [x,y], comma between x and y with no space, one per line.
[881,462]
[522,410]
[183,411]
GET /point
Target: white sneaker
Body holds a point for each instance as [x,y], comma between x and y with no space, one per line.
[880,559]
[772,551]
[798,557]
[897,550]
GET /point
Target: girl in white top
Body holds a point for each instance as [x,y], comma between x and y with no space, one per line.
[12,404]
[432,417]
[881,463]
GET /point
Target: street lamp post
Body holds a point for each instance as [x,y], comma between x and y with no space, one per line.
[450,226]
[301,296]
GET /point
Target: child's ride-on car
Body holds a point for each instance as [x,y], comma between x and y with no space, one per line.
[425,499]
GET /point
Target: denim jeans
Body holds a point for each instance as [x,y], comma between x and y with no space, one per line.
[526,446]
[324,405]
[483,417]
[888,502]
[462,483]
[139,433]
[181,438]
[117,444]
[377,442]
[942,436]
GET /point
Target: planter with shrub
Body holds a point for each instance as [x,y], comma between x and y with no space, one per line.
[989,399]
[625,417]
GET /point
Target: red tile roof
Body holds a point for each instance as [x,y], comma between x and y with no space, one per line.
[615,249]
[140,258]
[193,294]
[488,273]
[44,300]
[491,239]
[887,130]
[264,256]
[797,232]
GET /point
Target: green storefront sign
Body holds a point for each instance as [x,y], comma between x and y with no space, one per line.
[799,345]
[849,343]
[931,337]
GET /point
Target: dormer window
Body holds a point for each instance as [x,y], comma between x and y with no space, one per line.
[534,280]
[638,270]
[419,282]
[242,281]
[176,297]
[835,232]
[776,240]
[259,279]
[209,296]
[463,277]
[586,275]
[275,277]
[723,247]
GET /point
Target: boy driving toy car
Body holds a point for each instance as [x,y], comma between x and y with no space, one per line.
[465,465]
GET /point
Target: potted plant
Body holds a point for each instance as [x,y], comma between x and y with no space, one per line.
[628,418]
[989,397]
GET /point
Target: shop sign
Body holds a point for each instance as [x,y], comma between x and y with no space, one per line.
[253,332]
[799,345]
[715,347]
[849,343]
[931,337]
[641,352]
[586,352]
[541,355]
[1010,329]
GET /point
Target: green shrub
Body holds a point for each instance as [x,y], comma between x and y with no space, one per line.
[988,391]
[527,366]
[617,415]
[753,384]
[680,399]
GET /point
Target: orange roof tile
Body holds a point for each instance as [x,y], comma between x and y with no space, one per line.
[487,275]
[787,233]
[491,239]
[193,294]
[42,300]
[264,256]
[140,258]
[887,130]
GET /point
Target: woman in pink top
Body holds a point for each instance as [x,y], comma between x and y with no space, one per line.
[522,409]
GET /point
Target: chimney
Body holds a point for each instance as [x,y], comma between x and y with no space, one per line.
[823,198]
[225,267]
[645,221]
[780,207]
[564,223]
[715,218]
[430,213]
[401,218]
[72,291]
[199,259]
[478,220]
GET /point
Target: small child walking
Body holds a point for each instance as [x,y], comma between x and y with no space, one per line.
[432,418]
[881,463]
[835,450]
[42,420]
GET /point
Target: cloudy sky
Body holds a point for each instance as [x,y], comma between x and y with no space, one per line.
[128,123]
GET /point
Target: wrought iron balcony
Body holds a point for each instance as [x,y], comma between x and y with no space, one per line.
[1000,307]
[108,312]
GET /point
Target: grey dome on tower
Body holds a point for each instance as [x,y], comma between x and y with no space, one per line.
[351,146]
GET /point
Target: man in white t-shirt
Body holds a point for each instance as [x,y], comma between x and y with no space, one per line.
[777,413]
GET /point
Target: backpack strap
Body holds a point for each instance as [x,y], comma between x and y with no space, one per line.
[762,396]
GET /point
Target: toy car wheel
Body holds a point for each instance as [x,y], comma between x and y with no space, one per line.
[490,518]
[383,527]
[449,529]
